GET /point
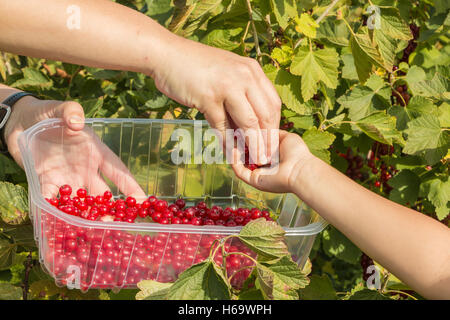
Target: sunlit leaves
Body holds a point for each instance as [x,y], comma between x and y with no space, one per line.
[315,66]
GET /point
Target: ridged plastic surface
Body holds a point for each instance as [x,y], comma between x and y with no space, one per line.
[118,254]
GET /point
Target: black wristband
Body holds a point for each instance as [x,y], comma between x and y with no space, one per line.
[10,101]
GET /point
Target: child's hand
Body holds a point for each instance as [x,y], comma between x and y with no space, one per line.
[294,154]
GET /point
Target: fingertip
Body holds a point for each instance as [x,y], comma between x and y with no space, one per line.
[75,123]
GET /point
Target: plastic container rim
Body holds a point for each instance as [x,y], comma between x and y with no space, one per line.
[37,198]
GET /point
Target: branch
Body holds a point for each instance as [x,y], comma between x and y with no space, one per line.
[319,19]
[255,34]
[28,266]
[327,10]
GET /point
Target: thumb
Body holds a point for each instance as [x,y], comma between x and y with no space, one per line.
[72,114]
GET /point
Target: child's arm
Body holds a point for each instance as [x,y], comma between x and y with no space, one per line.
[218,83]
[409,244]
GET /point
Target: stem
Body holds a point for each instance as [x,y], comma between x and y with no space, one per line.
[255,34]
[28,267]
[348,26]
[320,18]
[237,271]
[401,292]
[269,31]
[272,59]
[399,94]
[327,10]
[337,123]
[245,36]
[242,254]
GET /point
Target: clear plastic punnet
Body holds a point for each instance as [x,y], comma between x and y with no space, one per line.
[118,255]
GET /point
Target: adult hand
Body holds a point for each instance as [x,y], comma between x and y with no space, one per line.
[75,155]
[230,90]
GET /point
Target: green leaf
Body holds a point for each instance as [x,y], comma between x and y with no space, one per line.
[203,281]
[22,234]
[393,25]
[427,138]
[387,47]
[280,279]
[406,187]
[221,38]
[333,31]
[335,244]
[283,11]
[92,106]
[444,115]
[7,254]
[302,122]
[416,107]
[287,86]
[10,292]
[438,192]
[251,294]
[315,66]
[436,88]
[318,142]
[306,25]
[320,288]
[349,69]
[367,294]
[266,238]
[365,54]
[32,78]
[365,100]
[152,290]
[13,202]
[380,127]
[283,55]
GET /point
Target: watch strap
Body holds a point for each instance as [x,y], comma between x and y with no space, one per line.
[9,102]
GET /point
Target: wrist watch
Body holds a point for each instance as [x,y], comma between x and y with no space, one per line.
[5,113]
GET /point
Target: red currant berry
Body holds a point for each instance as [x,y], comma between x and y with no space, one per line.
[65,199]
[71,244]
[107,195]
[185,221]
[146,204]
[189,213]
[81,193]
[239,220]
[220,222]
[196,221]
[156,216]
[176,220]
[152,200]
[377,184]
[214,215]
[201,205]
[255,213]
[160,205]
[173,208]
[231,223]
[90,200]
[142,212]
[130,201]
[54,202]
[65,190]
[180,203]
